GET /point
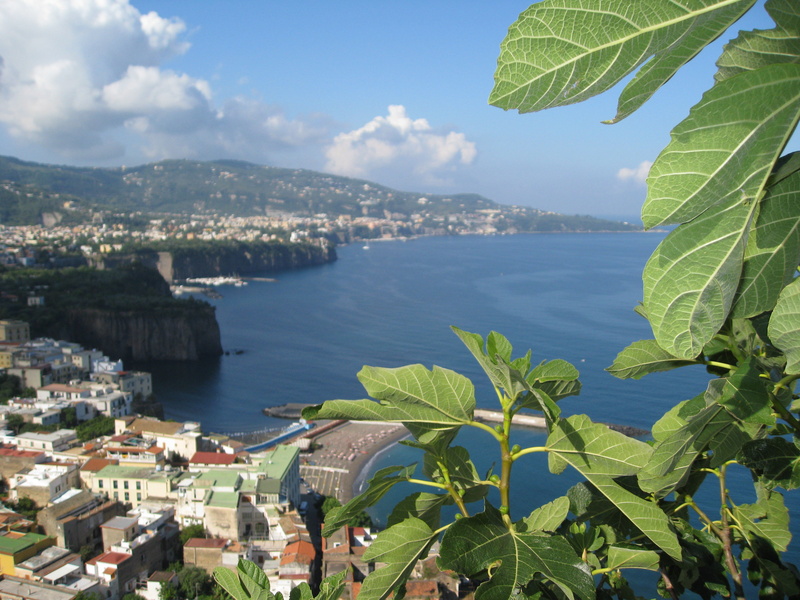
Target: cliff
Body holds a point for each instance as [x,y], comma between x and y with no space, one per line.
[142,336]
[176,261]
[241,258]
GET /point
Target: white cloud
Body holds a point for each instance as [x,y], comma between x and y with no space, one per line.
[84,77]
[637,174]
[396,146]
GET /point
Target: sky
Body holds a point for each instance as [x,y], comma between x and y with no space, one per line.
[393,91]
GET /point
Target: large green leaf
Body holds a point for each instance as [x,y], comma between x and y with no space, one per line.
[398,548]
[784,326]
[548,517]
[691,278]
[724,151]
[431,404]
[495,358]
[564,51]
[377,487]
[249,582]
[762,47]
[645,515]
[767,519]
[773,246]
[642,358]
[421,505]
[674,455]
[593,448]
[775,460]
[632,557]
[484,543]
[330,588]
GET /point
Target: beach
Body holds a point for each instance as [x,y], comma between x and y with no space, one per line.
[343,452]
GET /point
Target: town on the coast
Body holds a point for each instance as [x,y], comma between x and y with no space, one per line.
[102,503]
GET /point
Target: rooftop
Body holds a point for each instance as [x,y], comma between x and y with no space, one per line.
[24,588]
[13,542]
[110,558]
[276,461]
[212,458]
[120,523]
[206,543]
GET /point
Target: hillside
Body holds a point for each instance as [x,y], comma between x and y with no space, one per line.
[242,189]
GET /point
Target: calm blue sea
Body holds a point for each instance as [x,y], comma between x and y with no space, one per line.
[305,336]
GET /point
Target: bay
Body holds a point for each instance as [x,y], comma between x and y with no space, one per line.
[304,336]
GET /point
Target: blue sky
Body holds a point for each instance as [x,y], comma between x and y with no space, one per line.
[391,91]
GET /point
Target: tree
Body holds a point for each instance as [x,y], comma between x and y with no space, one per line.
[167,591]
[15,422]
[192,531]
[720,292]
[193,582]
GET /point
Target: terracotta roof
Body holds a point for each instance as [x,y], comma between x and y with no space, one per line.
[298,552]
[113,558]
[98,464]
[19,453]
[212,458]
[205,543]
[424,588]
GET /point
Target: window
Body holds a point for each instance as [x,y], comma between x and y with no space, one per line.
[138,496]
[125,484]
[100,483]
[116,495]
[116,484]
[138,485]
[127,497]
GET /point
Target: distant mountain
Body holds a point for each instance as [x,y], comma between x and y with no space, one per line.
[243,189]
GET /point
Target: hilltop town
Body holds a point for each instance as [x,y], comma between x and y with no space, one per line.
[101,502]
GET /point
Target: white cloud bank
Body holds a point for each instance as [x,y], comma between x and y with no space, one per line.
[83,77]
[637,174]
[398,147]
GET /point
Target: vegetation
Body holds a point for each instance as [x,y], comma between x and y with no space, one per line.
[94,428]
[10,387]
[244,189]
[720,292]
[25,507]
[192,531]
[131,287]
[360,519]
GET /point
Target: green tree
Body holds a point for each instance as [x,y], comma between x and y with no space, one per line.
[167,591]
[15,422]
[95,428]
[132,596]
[193,582]
[192,531]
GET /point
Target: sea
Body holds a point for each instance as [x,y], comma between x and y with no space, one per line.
[303,337]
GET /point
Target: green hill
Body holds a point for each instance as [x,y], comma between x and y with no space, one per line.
[244,189]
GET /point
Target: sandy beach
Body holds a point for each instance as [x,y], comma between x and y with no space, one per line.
[343,452]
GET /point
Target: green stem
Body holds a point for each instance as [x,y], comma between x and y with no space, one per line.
[440,486]
[451,489]
[780,408]
[486,427]
[530,450]
[507,459]
[714,363]
[727,544]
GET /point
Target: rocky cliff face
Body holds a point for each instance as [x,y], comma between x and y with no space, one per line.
[140,336]
[241,259]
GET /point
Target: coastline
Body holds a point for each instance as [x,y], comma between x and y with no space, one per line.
[344,455]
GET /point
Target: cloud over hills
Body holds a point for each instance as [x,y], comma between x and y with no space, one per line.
[86,80]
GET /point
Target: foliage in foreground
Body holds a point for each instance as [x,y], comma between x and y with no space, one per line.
[719,291]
